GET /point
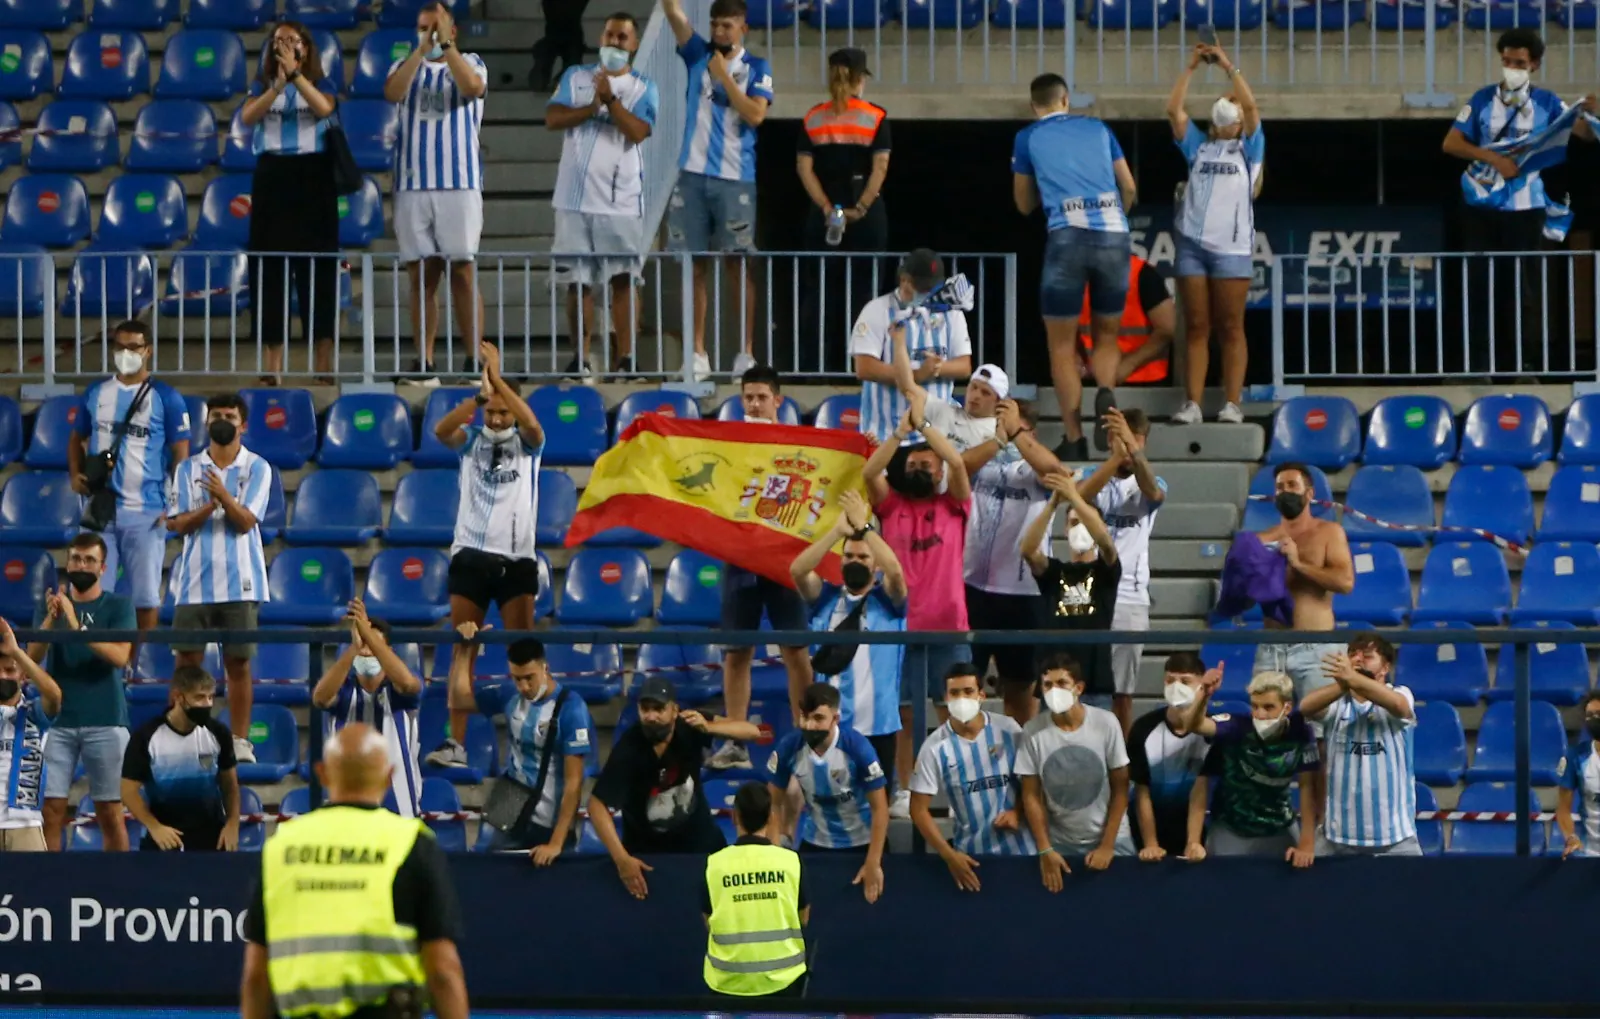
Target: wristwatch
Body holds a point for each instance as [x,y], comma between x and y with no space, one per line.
[447,46]
[858,535]
[479,399]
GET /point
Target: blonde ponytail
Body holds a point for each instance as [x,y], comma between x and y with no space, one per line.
[841,85]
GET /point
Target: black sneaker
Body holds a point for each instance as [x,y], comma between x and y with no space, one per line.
[1072,450]
[1104,400]
[419,374]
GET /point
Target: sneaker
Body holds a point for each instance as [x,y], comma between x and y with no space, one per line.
[1068,450]
[732,755]
[702,367]
[448,754]
[1188,414]
[1104,400]
[741,364]
[243,752]
[585,373]
[1230,414]
[900,806]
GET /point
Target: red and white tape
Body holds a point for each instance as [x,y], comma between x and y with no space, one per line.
[1368,518]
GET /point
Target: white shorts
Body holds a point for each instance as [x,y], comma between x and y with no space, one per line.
[438,224]
[1125,657]
[615,241]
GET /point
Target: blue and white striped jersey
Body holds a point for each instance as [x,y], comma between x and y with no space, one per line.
[140,477]
[835,785]
[529,725]
[869,687]
[1580,772]
[1072,160]
[218,563]
[601,171]
[1485,121]
[1131,519]
[289,128]
[499,502]
[977,778]
[438,148]
[1372,793]
[1007,497]
[394,716]
[940,332]
[23,732]
[716,140]
[1218,211]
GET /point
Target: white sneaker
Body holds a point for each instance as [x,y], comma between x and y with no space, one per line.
[732,755]
[900,806]
[243,752]
[741,364]
[1230,414]
[702,367]
[448,754]
[1188,414]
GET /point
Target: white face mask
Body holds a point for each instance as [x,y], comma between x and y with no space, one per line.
[964,709]
[1079,540]
[367,666]
[498,435]
[1515,78]
[128,362]
[1059,700]
[1225,113]
[1267,728]
[1179,695]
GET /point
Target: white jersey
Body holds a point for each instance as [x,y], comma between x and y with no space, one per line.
[977,777]
[218,563]
[1130,518]
[394,716]
[290,127]
[1006,498]
[24,729]
[499,501]
[1372,790]
[601,171]
[1218,211]
[438,148]
[962,429]
[940,332]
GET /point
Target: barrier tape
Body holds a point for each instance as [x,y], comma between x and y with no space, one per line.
[9,135]
[1367,518]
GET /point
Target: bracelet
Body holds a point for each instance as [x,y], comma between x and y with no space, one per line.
[1047,850]
[859,535]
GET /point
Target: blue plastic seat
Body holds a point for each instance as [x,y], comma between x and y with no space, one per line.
[329,52]
[558,502]
[430,451]
[407,586]
[592,671]
[296,801]
[1513,431]
[312,586]
[323,13]
[276,739]
[1326,15]
[225,214]
[440,796]
[1575,14]
[423,509]
[335,507]
[842,411]
[1323,431]
[10,430]
[1560,581]
[623,537]
[574,420]
[1237,662]
[52,430]
[692,593]
[1489,497]
[199,281]
[280,672]
[76,136]
[1395,495]
[45,15]
[1454,673]
[1429,833]
[25,575]
[371,126]
[694,669]
[27,280]
[1440,747]
[1571,505]
[173,136]
[1118,15]
[238,148]
[1558,673]
[1580,432]
[370,430]
[1030,14]
[482,753]
[953,14]
[361,216]
[665,402]
[111,64]
[1225,14]
[1495,756]
[198,413]
[10,126]
[544,603]
[606,587]
[1260,514]
[202,63]
[770,14]
[1466,581]
[403,13]
[732,409]
[143,210]
[252,834]
[1493,838]
[1382,594]
[104,282]
[143,15]
[239,15]
[1496,15]
[34,73]
[842,14]
[379,51]
[1415,430]
[281,425]
[47,208]
[39,508]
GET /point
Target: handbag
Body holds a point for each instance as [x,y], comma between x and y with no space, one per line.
[832,659]
[100,511]
[512,804]
[347,178]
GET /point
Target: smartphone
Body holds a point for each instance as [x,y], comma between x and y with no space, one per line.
[1208,37]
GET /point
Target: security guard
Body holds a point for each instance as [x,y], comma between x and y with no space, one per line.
[755,904]
[355,916]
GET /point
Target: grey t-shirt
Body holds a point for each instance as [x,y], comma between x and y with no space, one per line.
[1073,767]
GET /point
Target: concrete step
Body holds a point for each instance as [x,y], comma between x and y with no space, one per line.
[1244,443]
[1198,520]
[1178,598]
[507,143]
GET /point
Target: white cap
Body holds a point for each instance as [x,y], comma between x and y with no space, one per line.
[994,377]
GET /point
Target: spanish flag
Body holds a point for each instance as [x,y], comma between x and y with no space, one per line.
[753,495]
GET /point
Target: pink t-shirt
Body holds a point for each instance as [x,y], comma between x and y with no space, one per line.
[929,536]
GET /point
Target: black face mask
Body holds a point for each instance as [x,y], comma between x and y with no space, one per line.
[815,738]
[1592,723]
[222,432]
[656,732]
[1366,672]
[918,485]
[1290,504]
[82,580]
[726,49]
[199,714]
[857,577]
[9,689]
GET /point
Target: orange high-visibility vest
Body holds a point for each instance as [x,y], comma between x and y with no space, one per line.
[1135,329]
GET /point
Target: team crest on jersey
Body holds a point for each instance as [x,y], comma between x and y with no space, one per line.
[839,776]
[786,493]
[874,770]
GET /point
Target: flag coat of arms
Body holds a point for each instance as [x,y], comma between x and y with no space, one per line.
[751,495]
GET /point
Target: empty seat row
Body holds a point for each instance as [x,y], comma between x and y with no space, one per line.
[1468,581]
[150,15]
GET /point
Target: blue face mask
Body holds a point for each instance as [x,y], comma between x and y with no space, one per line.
[436,53]
[614,58]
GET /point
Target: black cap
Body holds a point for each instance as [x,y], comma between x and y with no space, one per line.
[852,57]
[924,268]
[658,690]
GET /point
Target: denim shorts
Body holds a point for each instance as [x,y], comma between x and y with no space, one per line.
[1194,260]
[137,544]
[711,214]
[100,746]
[1075,258]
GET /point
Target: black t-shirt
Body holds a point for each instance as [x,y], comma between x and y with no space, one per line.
[179,772]
[1152,288]
[663,808]
[1167,765]
[804,896]
[1082,596]
[424,896]
[842,146]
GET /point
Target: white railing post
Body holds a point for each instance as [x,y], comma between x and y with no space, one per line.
[1429,98]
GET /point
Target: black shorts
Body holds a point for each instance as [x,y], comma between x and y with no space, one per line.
[989,611]
[746,596]
[483,577]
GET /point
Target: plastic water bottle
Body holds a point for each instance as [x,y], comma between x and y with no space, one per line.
[835,226]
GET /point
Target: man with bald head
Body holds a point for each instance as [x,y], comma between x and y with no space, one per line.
[354,915]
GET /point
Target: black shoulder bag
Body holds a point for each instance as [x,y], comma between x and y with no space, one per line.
[100,512]
[832,659]
[511,804]
[347,178]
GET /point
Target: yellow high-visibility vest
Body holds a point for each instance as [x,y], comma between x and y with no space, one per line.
[755,944]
